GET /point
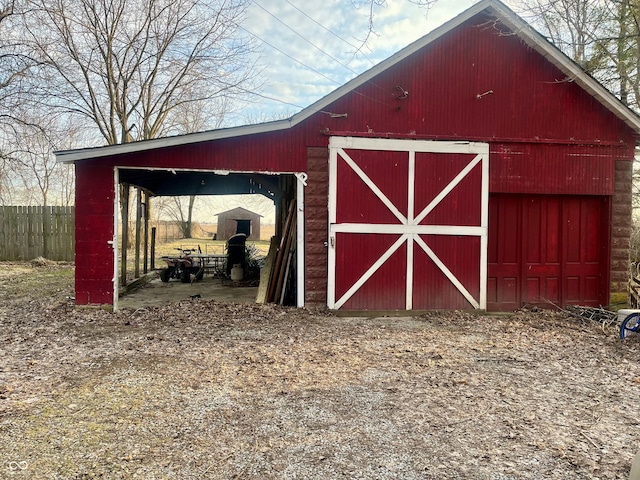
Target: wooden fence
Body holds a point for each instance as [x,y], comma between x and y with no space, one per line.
[31,232]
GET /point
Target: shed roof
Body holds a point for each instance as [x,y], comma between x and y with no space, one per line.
[495,8]
[238,210]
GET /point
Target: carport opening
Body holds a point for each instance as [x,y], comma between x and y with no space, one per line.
[198,263]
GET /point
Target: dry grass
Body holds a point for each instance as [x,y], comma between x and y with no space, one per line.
[206,246]
[174,249]
[208,390]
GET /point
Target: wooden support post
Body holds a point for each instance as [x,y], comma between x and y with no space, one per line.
[147,208]
[279,217]
[124,207]
[153,248]
[136,269]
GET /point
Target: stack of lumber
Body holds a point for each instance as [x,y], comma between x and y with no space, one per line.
[279,269]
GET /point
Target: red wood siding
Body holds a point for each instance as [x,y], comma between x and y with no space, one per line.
[546,250]
[553,168]
[530,104]
[282,151]
[94,229]
[530,99]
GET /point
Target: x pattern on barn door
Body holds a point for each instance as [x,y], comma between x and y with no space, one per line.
[407,224]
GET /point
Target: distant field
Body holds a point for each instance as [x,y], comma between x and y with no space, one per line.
[206,245]
[168,232]
[267,231]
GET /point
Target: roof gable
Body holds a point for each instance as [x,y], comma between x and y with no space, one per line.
[494,8]
[238,211]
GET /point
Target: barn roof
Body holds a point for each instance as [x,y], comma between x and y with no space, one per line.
[495,8]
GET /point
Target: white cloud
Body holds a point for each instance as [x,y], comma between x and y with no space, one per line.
[295,81]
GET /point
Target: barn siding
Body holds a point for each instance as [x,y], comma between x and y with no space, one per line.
[554,169]
[530,99]
[282,151]
[531,104]
[94,201]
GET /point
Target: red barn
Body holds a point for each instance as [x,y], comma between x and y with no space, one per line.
[478,168]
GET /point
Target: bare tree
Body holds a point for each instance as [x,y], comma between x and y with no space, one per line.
[371,6]
[180,210]
[128,66]
[35,166]
[601,36]
[572,25]
[44,181]
[16,64]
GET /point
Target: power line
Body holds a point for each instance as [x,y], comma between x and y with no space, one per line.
[306,39]
[357,49]
[268,97]
[304,64]
[289,56]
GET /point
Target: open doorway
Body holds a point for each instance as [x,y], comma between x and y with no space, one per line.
[142,193]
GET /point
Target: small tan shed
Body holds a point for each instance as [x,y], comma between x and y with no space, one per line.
[238,220]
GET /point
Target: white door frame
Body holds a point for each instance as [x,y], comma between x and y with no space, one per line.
[408,227]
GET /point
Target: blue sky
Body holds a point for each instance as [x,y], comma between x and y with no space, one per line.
[295,81]
[274,24]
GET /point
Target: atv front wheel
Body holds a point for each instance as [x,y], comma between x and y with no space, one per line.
[185,276]
[165,274]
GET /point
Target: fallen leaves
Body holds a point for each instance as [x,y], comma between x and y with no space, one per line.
[200,389]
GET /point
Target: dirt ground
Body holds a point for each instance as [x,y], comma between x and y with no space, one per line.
[200,389]
[156,292]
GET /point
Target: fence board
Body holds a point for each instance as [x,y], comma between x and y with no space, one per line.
[31,232]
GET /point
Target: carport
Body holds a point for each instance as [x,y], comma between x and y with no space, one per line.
[168,167]
[152,183]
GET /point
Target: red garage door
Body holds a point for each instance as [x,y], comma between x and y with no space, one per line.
[547,250]
[407,224]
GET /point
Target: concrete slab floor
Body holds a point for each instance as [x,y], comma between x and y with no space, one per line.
[157,293]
